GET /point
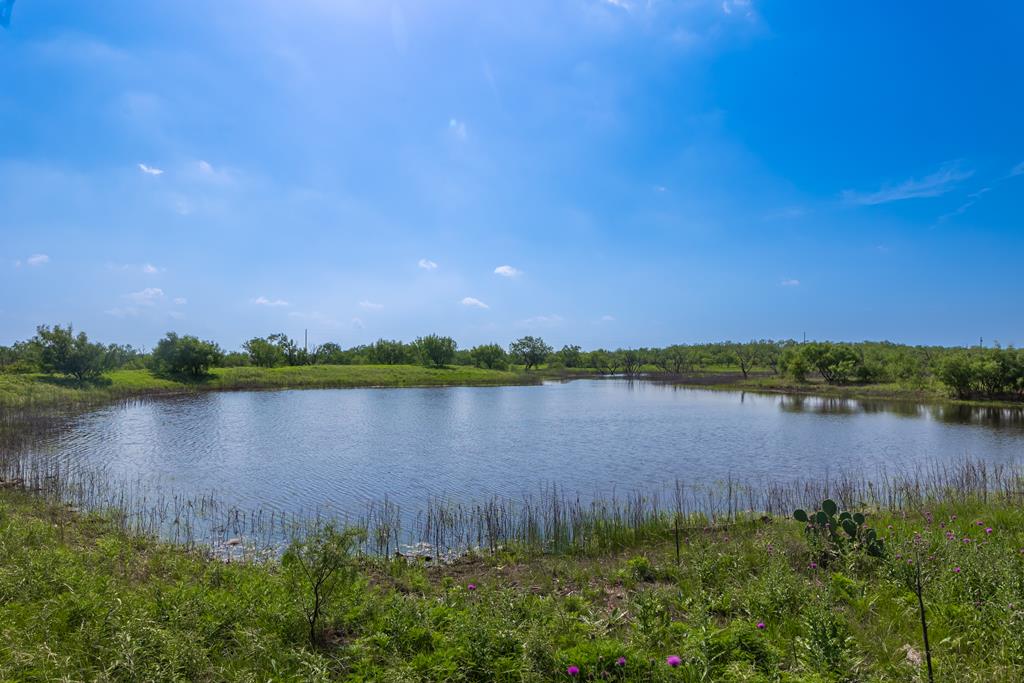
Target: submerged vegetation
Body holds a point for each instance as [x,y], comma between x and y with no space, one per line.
[741,597]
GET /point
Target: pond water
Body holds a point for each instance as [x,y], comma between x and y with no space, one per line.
[340,449]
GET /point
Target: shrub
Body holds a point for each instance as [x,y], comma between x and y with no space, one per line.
[61,351]
[436,350]
[188,356]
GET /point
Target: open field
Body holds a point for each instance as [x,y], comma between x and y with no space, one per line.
[754,600]
[37,390]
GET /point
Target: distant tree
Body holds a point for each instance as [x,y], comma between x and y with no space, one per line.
[236,359]
[490,356]
[571,356]
[185,356]
[436,350]
[955,371]
[605,362]
[676,360]
[632,360]
[330,353]
[530,351]
[264,353]
[745,355]
[123,356]
[388,352]
[61,351]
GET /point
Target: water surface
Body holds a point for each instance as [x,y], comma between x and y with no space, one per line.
[340,449]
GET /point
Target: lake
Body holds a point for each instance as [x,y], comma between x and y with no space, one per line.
[341,449]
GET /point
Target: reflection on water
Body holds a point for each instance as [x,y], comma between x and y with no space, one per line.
[339,449]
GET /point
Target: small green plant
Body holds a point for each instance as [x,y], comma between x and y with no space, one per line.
[318,566]
[836,531]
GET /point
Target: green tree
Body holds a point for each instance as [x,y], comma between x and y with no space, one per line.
[436,350]
[264,353]
[318,566]
[330,353]
[62,351]
[185,356]
[571,356]
[388,352]
[490,356]
[530,351]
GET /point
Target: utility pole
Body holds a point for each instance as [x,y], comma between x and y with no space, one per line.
[305,342]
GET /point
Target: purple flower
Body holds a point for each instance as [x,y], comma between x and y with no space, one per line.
[956,570]
[760,625]
[673,660]
[471,587]
[988,530]
[813,565]
[621,661]
[966,540]
[573,670]
[980,523]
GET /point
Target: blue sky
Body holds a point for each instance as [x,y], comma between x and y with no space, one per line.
[616,173]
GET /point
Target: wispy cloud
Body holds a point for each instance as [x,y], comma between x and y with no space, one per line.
[507,271]
[1017,170]
[458,129]
[144,268]
[543,320]
[427,264]
[34,261]
[370,306]
[264,301]
[621,4]
[790,283]
[150,170]
[933,185]
[146,297]
[470,301]
[607,318]
[972,199]
[180,300]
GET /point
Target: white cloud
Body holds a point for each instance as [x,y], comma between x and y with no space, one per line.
[427,264]
[553,319]
[150,269]
[180,300]
[150,170]
[370,306]
[205,167]
[147,297]
[660,188]
[458,129]
[470,301]
[507,271]
[933,185]
[35,260]
[790,283]
[264,301]
[621,4]
[1017,170]
[607,318]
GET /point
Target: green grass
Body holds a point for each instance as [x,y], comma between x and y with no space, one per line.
[35,391]
[81,600]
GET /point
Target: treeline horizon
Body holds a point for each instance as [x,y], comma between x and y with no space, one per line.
[966,372]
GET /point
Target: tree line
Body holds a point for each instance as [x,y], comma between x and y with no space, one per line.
[989,373]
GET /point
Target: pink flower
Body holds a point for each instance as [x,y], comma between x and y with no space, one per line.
[988,530]
[956,570]
[760,625]
[471,587]
[673,660]
[573,670]
[814,565]
[621,661]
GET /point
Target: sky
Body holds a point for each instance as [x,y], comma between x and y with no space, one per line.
[599,172]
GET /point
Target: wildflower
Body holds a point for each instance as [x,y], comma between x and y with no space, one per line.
[814,565]
[988,530]
[673,660]
[760,625]
[956,570]
[953,518]
[621,661]
[980,523]
[471,587]
[573,670]
[966,540]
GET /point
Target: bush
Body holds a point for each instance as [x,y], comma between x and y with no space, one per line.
[436,350]
[185,356]
[489,356]
[63,352]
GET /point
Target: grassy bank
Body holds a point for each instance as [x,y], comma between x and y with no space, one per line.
[34,390]
[752,601]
